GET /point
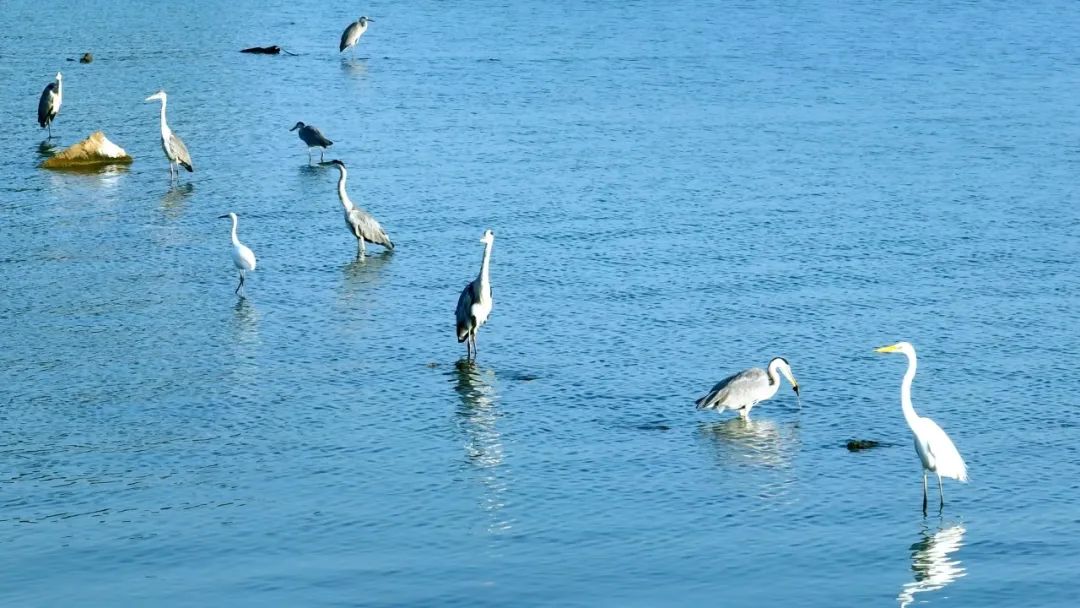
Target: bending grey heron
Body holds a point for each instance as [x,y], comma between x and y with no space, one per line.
[741,392]
[936,451]
[313,137]
[242,256]
[174,147]
[352,34]
[361,224]
[474,304]
[49,104]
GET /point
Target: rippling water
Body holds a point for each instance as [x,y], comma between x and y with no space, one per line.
[678,192]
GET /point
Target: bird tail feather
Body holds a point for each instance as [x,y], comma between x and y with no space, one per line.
[187,166]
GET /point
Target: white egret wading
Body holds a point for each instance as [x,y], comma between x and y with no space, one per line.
[935,449]
[742,391]
[174,148]
[474,304]
[352,34]
[313,137]
[49,104]
[242,256]
[361,224]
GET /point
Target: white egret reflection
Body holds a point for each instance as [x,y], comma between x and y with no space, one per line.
[477,415]
[932,564]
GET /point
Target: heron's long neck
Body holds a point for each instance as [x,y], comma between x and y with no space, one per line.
[164,125]
[774,378]
[905,391]
[59,91]
[485,266]
[345,202]
[235,241]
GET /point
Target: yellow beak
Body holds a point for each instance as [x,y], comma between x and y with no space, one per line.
[892,348]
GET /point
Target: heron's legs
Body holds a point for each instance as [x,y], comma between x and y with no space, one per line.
[50,129]
[941,492]
[361,251]
[474,351]
[924,492]
[322,157]
[309,156]
[468,348]
[240,285]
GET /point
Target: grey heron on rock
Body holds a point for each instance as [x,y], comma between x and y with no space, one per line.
[741,392]
[361,224]
[49,104]
[174,147]
[474,304]
[313,137]
[242,256]
[352,34]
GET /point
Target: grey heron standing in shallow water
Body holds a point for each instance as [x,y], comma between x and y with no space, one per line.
[242,256]
[361,224]
[474,304]
[313,137]
[174,147]
[352,34]
[740,392]
[49,104]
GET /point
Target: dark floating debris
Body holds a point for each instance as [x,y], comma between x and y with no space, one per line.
[266,50]
[855,445]
[86,58]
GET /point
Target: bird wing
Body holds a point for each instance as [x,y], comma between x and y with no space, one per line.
[312,136]
[947,459]
[736,390]
[348,37]
[463,314]
[44,105]
[180,151]
[366,226]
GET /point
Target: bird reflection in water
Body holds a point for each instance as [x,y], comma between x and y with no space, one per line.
[362,272]
[245,323]
[477,415]
[355,67]
[931,563]
[173,201]
[760,442]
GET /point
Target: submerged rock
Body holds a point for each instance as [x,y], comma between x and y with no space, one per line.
[263,50]
[93,151]
[855,445]
[86,58]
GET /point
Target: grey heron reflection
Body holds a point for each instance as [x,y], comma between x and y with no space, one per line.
[748,441]
[477,417]
[932,564]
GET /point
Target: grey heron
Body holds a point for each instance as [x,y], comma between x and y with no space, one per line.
[49,104]
[352,34]
[474,304]
[742,391]
[313,137]
[174,147]
[936,451]
[242,256]
[361,224]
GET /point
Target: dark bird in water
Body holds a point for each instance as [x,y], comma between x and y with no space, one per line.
[313,137]
[49,104]
[474,304]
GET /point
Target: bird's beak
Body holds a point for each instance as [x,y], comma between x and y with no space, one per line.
[795,387]
[293,129]
[892,348]
[223,217]
[370,19]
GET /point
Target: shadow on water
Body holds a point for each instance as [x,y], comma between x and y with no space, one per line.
[363,272]
[748,441]
[476,416]
[46,149]
[354,66]
[931,563]
[173,200]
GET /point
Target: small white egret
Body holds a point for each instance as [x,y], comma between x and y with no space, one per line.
[313,137]
[49,104]
[361,223]
[474,304]
[242,256]
[935,449]
[352,34]
[174,147]
[741,392]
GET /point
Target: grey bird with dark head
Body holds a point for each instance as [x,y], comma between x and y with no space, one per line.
[174,147]
[352,34]
[313,137]
[49,104]
[475,303]
[740,392]
[360,223]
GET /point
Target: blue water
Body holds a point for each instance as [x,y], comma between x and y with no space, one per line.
[678,192]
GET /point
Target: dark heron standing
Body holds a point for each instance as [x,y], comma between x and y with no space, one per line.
[174,148]
[474,304]
[352,34]
[49,104]
[313,137]
[361,224]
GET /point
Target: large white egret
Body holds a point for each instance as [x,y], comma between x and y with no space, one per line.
[741,392]
[936,451]
[474,304]
[49,104]
[242,256]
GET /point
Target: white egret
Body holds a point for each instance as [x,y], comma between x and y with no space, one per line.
[361,223]
[352,34]
[49,104]
[935,449]
[742,391]
[313,137]
[474,304]
[242,256]
[174,147]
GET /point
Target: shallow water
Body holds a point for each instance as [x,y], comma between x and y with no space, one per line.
[677,193]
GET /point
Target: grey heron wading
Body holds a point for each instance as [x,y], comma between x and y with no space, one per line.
[313,137]
[174,147]
[742,391]
[474,304]
[49,104]
[242,256]
[361,224]
[352,34]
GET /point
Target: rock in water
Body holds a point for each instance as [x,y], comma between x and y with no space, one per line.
[86,58]
[94,151]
